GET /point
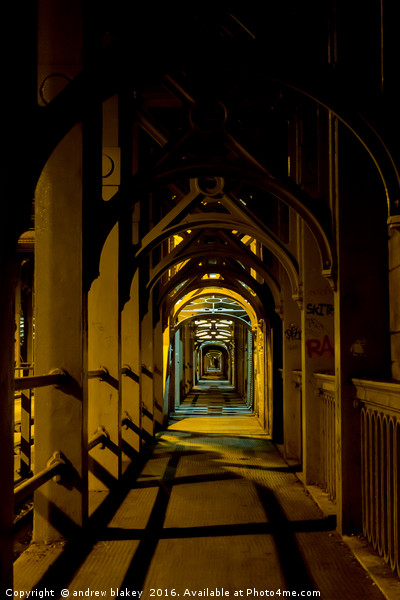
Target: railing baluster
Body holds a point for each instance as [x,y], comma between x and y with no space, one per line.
[364,469]
[380,466]
[326,392]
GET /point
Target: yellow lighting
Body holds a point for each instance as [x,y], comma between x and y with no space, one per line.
[177,240]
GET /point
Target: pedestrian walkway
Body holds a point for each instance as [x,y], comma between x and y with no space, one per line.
[214,512]
[212,398]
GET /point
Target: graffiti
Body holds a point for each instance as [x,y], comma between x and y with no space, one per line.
[317,347]
[293,332]
[322,310]
[313,326]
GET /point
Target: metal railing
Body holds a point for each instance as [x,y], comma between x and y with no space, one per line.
[53,469]
[326,391]
[102,373]
[56,465]
[101,436]
[56,377]
[380,466]
[26,385]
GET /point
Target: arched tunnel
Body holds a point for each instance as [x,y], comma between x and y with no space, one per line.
[199,268]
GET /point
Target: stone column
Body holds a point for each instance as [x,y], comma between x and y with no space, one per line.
[177,369]
[61,413]
[104,398]
[158,375]
[317,331]
[147,370]
[291,333]
[130,388]
[263,380]
[240,356]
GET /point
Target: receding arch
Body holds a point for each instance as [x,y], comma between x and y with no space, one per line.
[222,292]
[211,221]
[230,278]
[226,316]
[256,264]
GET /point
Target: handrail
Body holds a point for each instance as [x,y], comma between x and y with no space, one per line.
[326,390]
[54,468]
[56,377]
[101,436]
[127,370]
[379,394]
[101,374]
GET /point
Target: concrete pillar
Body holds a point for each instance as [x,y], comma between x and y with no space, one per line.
[250,369]
[167,352]
[263,383]
[317,332]
[187,358]
[362,347]
[172,372]
[158,382]
[291,333]
[147,372]
[240,357]
[130,388]
[61,413]
[177,368]
[274,370]
[103,351]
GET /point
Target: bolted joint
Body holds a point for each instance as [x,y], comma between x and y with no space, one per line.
[56,460]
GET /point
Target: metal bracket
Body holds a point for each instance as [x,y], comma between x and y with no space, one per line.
[55,460]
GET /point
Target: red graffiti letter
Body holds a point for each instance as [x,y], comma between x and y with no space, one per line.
[313,347]
[326,346]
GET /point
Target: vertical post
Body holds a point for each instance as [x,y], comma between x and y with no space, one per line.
[147,372]
[177,369]
[159,414]
[61,414]
[103,351]
[250,368]
[291,333]
[317,327]
[130,388]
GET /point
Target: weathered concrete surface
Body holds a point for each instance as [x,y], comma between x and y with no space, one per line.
[215,510]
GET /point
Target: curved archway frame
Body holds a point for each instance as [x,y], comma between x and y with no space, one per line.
[250,259]
[252,313]
[105,77]
[230,276]
[179,219]
[207,317]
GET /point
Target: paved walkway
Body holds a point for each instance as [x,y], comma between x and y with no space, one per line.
[215,513]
